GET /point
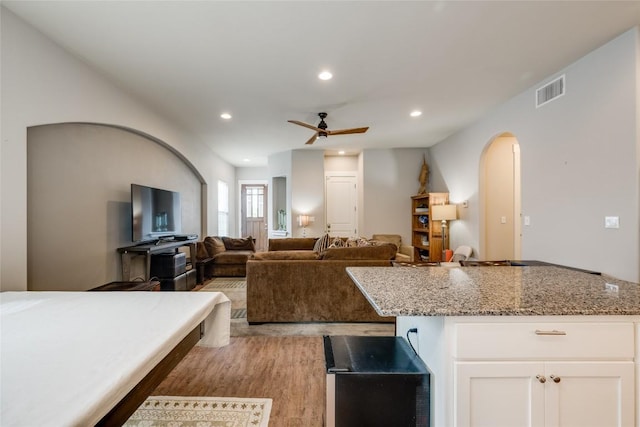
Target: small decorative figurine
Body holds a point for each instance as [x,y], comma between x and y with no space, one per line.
[424,175]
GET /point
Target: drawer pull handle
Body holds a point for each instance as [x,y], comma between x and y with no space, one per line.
[554,332]
[555,379]
[541,378]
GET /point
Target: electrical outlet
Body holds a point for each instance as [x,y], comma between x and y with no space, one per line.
[611,287]
[611,222]
[503,220]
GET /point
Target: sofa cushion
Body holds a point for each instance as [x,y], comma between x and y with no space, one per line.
[322,243]
[292,244]
[239,244]
[214,246]
[232,257]
[288,255]
[386,251]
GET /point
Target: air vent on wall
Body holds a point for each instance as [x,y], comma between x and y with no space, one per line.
[550,91]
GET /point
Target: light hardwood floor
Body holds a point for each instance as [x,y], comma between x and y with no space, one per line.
[287,369]
[284,362]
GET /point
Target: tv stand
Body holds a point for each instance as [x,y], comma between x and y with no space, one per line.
[148,249]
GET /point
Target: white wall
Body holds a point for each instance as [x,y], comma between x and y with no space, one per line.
[307,190]
[42,84]
[579,160]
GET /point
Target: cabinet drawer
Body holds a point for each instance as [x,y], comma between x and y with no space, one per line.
[544,340]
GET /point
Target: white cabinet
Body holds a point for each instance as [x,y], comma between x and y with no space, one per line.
[498,394]
[549,394]
[530,371]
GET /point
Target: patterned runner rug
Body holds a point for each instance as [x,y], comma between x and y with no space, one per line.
[165,411]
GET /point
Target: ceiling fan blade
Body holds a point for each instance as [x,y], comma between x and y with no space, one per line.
[308,126]
[312,139]
[347,131]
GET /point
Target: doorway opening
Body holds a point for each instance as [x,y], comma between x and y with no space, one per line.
[500,199]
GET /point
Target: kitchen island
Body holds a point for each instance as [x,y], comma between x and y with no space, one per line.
[517,346]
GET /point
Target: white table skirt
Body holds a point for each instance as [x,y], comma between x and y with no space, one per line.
[67,358]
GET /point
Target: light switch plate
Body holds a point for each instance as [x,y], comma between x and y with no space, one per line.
[527,220]
[611,222]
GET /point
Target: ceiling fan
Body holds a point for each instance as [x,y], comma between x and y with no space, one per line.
[323,132]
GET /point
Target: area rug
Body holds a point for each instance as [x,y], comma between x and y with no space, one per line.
[235,289]
[173,411]
[225,283]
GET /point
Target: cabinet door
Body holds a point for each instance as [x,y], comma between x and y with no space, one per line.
[499,394]
[589,394]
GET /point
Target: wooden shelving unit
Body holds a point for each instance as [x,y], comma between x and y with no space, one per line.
[426,235]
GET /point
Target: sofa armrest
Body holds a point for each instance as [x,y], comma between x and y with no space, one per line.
[408,251]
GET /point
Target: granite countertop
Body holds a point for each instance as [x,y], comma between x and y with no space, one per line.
[493,291]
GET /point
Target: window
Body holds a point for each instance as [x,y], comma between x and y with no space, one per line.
[223,209]
[255,201]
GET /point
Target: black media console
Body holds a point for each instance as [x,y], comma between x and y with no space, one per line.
[166,260]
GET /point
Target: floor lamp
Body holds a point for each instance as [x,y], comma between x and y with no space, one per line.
[444,213]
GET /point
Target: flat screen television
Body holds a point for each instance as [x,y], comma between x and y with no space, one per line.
[155,213]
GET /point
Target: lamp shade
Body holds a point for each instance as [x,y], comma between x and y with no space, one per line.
[303,220]
[443,212]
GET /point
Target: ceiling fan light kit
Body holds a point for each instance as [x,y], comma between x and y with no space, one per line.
[321,130]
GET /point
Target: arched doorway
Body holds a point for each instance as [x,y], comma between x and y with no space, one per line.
[500,187]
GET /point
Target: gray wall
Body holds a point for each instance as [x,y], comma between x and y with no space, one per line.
[580,161]
[79,178]
[389,179]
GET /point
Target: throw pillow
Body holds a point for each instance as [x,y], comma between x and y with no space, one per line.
[337,243]
[322,244]
[214,246]
[361,241]
[241,244]
[201,251]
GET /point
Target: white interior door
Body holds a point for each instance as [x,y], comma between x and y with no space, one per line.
[341,205]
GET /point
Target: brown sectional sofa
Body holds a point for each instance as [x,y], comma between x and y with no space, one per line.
[224,256]
[292,283]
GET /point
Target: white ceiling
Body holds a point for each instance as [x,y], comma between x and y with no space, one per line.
[259,61]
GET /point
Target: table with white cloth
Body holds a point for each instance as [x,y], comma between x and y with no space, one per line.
[68,358]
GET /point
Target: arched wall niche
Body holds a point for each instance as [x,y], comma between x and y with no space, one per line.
[78,199]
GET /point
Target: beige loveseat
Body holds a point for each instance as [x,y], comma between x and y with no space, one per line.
[292,283]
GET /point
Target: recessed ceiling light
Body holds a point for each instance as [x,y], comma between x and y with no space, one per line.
[325,75]
[246,160]
[341,152]
[225,116]
[416,113]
